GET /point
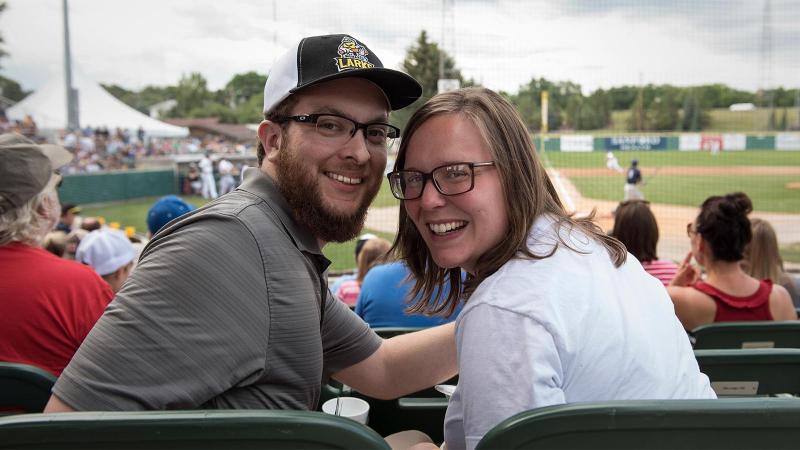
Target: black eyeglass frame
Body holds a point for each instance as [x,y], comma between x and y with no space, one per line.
[429,176]
[312,119]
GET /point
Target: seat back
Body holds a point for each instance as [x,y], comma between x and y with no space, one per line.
[155,430]
[742,423]
[24,388]
[784,334]
[748,372]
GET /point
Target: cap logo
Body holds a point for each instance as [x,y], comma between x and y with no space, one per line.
[352,55]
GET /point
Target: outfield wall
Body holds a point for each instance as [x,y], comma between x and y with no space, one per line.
[115,186]
[683,142]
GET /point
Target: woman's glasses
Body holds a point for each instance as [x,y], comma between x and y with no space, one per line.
[449,179]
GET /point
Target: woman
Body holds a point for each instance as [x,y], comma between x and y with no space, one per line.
[553,312]
[636,227]
[718,238]
[372,253]
[762,259]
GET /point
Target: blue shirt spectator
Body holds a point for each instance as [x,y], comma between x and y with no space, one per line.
[382,301]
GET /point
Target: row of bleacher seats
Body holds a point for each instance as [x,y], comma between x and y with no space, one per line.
[753,423]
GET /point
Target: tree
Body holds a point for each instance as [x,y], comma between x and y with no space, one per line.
[784,123]
[638,120]
[665,115]
[3,52]
[11,90]
[422,63]
[242,87]
[192,95]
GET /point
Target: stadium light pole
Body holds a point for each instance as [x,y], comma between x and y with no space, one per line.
[73,118]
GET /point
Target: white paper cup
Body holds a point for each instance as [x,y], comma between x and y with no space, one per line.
[350,407]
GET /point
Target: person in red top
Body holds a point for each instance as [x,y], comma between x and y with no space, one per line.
[47,304]
[718,237]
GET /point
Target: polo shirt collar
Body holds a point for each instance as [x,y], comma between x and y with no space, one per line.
[262,185]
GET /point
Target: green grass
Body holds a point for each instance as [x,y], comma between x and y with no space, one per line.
[342,255]
[674,158]
[385,197]
[791,253]
[768,193]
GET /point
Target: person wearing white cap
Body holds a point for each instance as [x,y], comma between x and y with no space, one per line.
[612,163]
[236,292]
[110,253]
[48,304]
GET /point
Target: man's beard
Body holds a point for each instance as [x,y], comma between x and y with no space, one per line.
[302,192]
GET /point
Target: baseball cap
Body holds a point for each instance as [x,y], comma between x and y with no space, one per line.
[317,59]
[164,210]
[70,208]
[105,250]
[363,240]
[26,169]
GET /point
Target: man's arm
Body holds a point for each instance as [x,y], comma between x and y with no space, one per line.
[56,405]
[404,364]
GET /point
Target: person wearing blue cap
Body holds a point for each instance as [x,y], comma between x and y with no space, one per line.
[163,211]
[632,179]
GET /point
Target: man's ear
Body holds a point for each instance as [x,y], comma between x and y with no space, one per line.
[269,133]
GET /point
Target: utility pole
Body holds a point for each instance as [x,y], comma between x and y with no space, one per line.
[73,117]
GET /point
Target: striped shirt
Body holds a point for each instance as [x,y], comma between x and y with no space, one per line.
[662,269]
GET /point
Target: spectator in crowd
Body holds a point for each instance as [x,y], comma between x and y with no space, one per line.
[348,277]
[109,253]
[194,186]
[636,227]
[718,237]
[208,187]
[237,289]
[762,259]
[73,240]
[553,311]
[48,304]
[165,210]
[226,181]
[373,251]
[385,294]
[91,223]
[68,213]
[55,242]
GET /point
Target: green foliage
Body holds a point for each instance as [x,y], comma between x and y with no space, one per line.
[665,112]
[192,94]
[638,120]
[11,90]
[3,52]
[243,87]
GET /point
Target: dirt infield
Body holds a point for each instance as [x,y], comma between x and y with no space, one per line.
[687,170]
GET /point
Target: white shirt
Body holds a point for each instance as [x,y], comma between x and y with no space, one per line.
[206,166]
[225,167]
[567,328]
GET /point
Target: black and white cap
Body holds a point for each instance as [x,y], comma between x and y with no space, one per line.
[324,58]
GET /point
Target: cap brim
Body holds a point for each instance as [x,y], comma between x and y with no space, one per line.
[58,156]
[400,88]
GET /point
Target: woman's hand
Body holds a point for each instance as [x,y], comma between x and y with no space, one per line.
[687,274]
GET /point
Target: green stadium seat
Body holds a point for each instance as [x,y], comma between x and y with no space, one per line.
[784,334]
[155,430]
[748,372]
[741,423]
[24,388]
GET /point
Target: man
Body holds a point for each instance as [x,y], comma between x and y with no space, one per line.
[208,187]
[229,305]
[110,253]
[48,304]
[612,163]
[226,181]
[632,179]
[165,210]
[68,213]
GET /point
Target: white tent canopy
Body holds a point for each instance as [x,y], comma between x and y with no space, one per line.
[98,108]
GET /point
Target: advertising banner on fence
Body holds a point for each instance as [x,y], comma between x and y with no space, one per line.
[787,141]
[577,143]
[689,142]
[636,143]
[711,143]
[734,141]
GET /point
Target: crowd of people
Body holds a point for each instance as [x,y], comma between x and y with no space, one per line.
[228,306]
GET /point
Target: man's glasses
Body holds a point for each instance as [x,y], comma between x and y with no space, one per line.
[449,179]
[339,129]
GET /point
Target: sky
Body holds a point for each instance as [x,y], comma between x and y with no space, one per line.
[501,44]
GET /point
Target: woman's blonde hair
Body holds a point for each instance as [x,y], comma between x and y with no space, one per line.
[373,252]
[527,190]
[761,257]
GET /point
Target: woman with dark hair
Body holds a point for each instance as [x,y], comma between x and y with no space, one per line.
[553,312]
[636,227]
[718,238]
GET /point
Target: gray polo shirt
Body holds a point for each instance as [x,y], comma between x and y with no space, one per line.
[227,308]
